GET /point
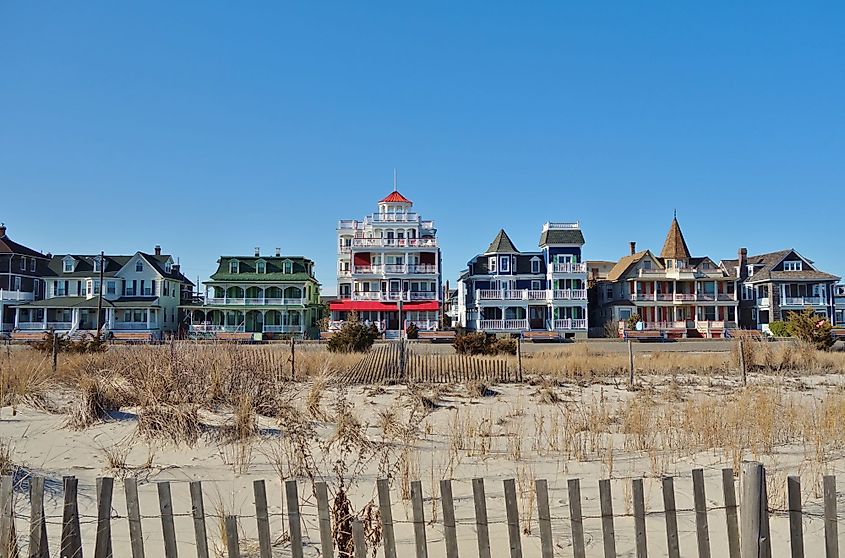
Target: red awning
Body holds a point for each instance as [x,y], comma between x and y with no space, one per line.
[368,305]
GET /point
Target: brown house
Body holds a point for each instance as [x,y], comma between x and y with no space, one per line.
[21,270]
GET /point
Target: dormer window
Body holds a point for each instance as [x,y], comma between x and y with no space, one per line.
[68,265]
[287,267]
[491,263]
[792,266]
[750,269]
[234,267]
[647,264]
[535,265]
[168,266]
[97,264]
[139,266]
[261,266]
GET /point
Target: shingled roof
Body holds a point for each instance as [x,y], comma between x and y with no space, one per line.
[675,247]
[395,197]
[9,246]
[501,244]
[561,236]
[765,264]
[623,264]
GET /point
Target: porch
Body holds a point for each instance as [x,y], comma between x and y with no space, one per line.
[251,321]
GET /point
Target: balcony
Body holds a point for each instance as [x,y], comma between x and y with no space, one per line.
[16,296]
[42,326]
[394,242]
[394,296]
[503,325]
[570,294]
[570,323]
[396,269]
[682,298]
[536,295]
[803,301]
[569,268]
[255,301]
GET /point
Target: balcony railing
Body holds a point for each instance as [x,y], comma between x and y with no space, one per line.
[503,325]
[394,242]
[528,294]
[16,295]
[569,268]
[120,326]
[394,297]
[216,328]
[804,301]
[395,269]
[570,323]
[683,297]
[226,301]
[36,326]
[642,296]
[283,328]
[570,294]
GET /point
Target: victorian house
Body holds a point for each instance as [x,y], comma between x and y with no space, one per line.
[268,296]
[505,290]
[774,284]
[388,269]
[141,293]
[21,271]
[673,293]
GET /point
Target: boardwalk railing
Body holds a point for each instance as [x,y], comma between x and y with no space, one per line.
[746,524]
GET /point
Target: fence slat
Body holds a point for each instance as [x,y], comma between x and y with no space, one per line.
[512,513]
[702,529]
[262,518]
[831,530]
[639,518]
[233,549]
[133,515]
[575,519]
[449,530]
[326,542]
[168,531]
[102,542]
[607,529]
[359,539]
[8,542]
[294,522]
[481,526]
[198,512]
[754,508]
[419,519]
[544,518]
[729,493]
[386,518]
[671,517]
[37,521]
[796,531]
[71,546]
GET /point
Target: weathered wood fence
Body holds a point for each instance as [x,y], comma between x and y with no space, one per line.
[747,522]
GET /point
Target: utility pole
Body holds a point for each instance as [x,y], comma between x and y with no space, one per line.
[100,296]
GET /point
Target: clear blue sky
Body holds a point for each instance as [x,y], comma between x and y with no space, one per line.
[214,127]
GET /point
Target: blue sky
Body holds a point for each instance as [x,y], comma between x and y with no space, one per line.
[214,127]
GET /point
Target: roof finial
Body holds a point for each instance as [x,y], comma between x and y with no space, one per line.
[394,179]
[674,213]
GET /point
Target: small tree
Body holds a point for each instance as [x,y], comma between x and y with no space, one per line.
[633,320]
[779,328]
[810,328]
[353,337]
[412,331]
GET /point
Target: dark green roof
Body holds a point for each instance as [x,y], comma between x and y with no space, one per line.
[501,244]
[113,264]
[230,277]
[561,236]
[302,269]
[83,302]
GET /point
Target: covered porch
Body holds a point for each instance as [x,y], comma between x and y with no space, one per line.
[215,320]
[79,314]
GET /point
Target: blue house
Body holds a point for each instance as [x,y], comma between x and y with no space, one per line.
[505,290]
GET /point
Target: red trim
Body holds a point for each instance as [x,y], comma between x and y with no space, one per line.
[395,197]
[367,305]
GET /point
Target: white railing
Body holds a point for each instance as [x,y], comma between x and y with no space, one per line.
[570,323]
[665,325]
[423,325]
[486,294]
[559,225]
[119,326]
[390,242]
[214,328]
[642,296]
[503,325]
[399,269]
[283,328]
[665,297]
[703,325]
[567,267]
[537,295]
[803,301]
[394,296]
[570,294]
[30,325]
[255,301]
[60,326]
[684,297]
[705,297]
[764,301]
[16,295]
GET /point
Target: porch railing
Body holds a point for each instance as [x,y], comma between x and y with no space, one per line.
[569,268]
[503,325]
[570,323]
[282,328]
[255,301]
[394,242]
[16,295]
[803,301]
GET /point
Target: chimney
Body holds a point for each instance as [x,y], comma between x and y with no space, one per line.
[278,252]
[742,263]
[175,268]
[2,230]
[257,251]
[158,250]
[633,246]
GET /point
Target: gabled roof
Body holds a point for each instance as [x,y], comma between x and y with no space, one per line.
[395,197]
[675,247]
[274,269]
[623,264]
[112,264]
[502,243]
[9,246]
[561,236]
[765,264]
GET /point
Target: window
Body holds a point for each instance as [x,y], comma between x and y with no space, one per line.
[505,264]
[23,263]
[59,288]
[68,267]
[261,267]
[609,293]
[750,270]
[792,266]
[96,290]
[747,292]
[535,285]
[233,266]
[111,288]
[168,267]
[17,282]
[97,264]
[287,267]
[491,263]
[37,285]
[535,266]
[624,313]
[32,264]
[139,266]
[647,264]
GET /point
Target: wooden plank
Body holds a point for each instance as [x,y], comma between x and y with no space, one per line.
[233,549]
[37,521]
[671,515]
[168,531]
[575,519]
[386,513]
[751,512]
[7,542]
[102,542]
[831,529]
[607,528]
[133,515]
[796,531]
[418,511]
[481,527]
[326,541]
[262,518]
[640,537]
[359,540]
[198,513]
[702,529]
[731,516]
[512,513]
[294,521]
[449,530]
[71,545]
[544,518]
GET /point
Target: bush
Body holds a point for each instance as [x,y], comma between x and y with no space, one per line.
[412,331]
[779,328]
[64,344]
[503,347]
[353,337]
[633,320]
[810,328]
[480,343]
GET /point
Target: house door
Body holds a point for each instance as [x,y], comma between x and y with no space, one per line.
[537,317]
[391,320]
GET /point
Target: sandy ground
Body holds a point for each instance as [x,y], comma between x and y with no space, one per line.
[448,444]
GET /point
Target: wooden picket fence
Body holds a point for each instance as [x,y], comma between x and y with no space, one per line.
[398,363]
[747,522]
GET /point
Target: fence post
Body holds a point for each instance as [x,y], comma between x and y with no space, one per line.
[71,546]
[831,530]
[544,518]
[448,518]
[419,519]
[753,512]
[262,519]
[55,351]
[796,532]
[639,518]
[292,359]
[293,519]
[519,358]
[8,542]
[198,512]
[512,514]
[233,545]
[729,492]
[630,363]
[575,520]
[168,530]
[359,540]
[607,530]
[102,543]
[671,517]
[326,542]
[133,514]
[481,518]
[702,528]
[37,521]
[742,367]
[386,518]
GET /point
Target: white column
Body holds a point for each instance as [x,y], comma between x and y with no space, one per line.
[45,318]
[149,318]
[110,314]
[18,316]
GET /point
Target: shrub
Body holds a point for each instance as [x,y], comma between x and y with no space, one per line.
[611,329]
[779,328]
[632,321]
[353,337]
[480,343]
[503,347]
[412,331]
[64,344]
[810,328]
